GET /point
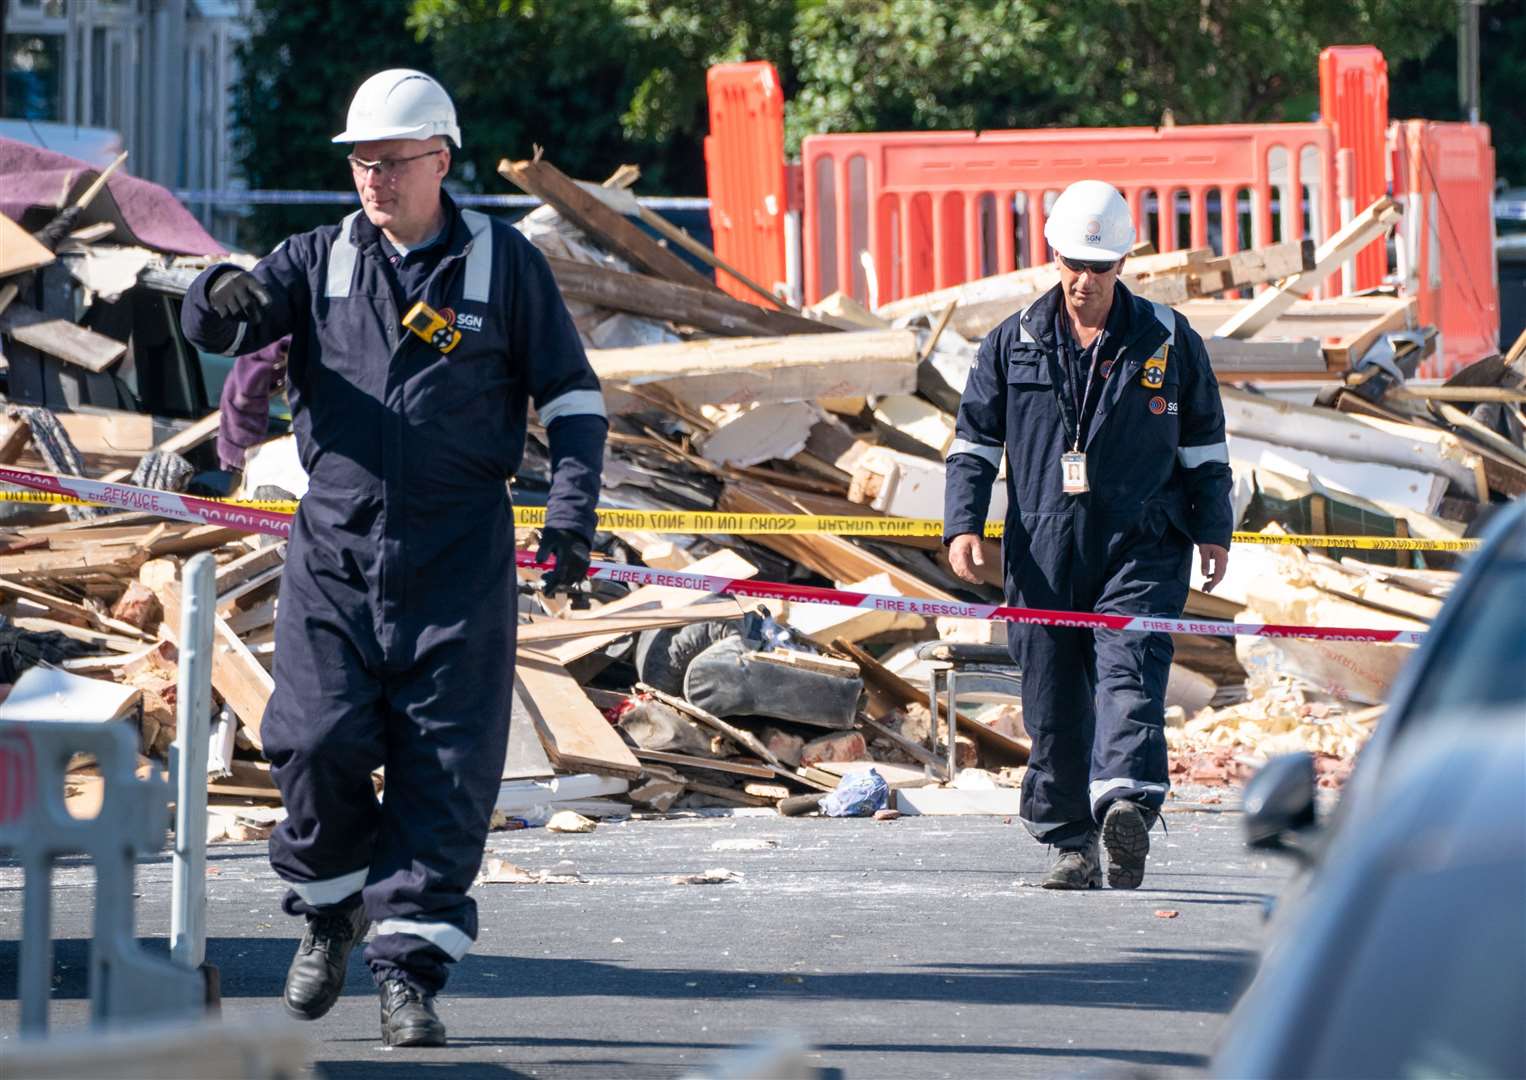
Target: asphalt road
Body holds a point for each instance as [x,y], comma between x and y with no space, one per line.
[915,948]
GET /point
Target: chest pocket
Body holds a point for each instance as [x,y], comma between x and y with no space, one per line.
[1028,369]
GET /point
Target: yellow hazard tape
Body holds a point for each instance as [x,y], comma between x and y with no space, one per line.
[715,521]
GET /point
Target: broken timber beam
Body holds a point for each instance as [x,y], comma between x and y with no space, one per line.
[61,338]
[610,228]
[1356,234]
[801,367]
[658,298]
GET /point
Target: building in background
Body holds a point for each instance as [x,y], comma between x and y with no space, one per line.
[157,72]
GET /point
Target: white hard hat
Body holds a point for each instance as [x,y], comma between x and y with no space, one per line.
[1090,221]
[400,104]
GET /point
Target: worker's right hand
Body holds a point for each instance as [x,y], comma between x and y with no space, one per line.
[238,294]
[964,555]
[571,553]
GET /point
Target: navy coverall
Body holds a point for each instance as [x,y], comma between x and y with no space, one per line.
[396,626]
[1158,470]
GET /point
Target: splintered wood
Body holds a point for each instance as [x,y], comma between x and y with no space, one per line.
[844,409]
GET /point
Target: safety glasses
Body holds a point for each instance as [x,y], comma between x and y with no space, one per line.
[1082,266]
[386,168]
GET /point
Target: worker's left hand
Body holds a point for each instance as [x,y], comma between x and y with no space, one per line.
[1214,561]
[571,553]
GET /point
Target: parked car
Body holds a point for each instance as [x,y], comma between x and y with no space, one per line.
[1407,955]
[1401,948]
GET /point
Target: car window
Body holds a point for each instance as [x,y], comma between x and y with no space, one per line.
[1435,985]
[1478,661]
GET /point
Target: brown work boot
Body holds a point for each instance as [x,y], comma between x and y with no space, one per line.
[1076,867]
[1126,835]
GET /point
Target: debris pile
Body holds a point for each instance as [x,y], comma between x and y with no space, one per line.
[655,698]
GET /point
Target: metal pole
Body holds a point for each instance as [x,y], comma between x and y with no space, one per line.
[1468,93]
[193,715]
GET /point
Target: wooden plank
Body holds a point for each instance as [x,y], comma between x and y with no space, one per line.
[689,761]
[525,758]
[226,600]
[741,798]
[1329,432]
[248,780]
[18,433]
[19,249]
[255,618]
[740,371]
[94,638]
[737,735]
[1254,266]
[1343,351]
[544,631]
[72,610]
[834,556]
[62,339]
[658,298]
[910,746]
[237,676]
[1005,750]
[610,228]
[665,228]
[248,565]
[1352,237]
[576,736]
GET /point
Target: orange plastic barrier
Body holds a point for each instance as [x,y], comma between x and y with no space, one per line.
[932,209]
[1445,174]
[744,168]
[1353,101]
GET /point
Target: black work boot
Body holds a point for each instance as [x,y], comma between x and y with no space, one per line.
[1076,867]
[316,975]
[407,1015]
[1126,834]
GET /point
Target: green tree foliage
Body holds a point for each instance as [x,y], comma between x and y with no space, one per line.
[866,64]
[596,82]
[602,82]
[557,73]
[300,66]
[1427,87]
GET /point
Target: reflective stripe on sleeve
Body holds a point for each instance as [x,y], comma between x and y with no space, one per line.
[1193,456]
[990,454]
[572,403]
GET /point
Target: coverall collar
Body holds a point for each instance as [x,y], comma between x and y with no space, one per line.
[458,238]
[1128,318]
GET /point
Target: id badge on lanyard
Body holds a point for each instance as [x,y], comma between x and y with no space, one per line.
[1073,473]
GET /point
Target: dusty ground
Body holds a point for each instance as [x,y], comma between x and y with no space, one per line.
[914,948]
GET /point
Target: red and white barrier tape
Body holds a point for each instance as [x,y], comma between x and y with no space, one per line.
[152,501]
[274,523]
[954,609]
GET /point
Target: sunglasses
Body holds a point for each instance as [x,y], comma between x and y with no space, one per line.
[1081,266]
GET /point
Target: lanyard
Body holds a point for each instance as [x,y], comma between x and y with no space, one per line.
[1075,353]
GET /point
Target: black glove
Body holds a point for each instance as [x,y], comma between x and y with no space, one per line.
[237,294]
[52,234]
[571,553]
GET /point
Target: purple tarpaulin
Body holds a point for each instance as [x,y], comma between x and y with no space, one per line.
[36,182]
